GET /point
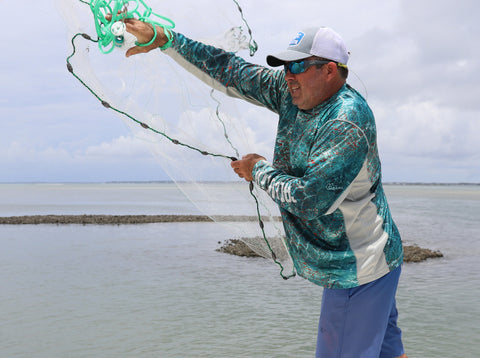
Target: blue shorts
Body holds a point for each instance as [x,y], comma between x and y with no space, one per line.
[361,322]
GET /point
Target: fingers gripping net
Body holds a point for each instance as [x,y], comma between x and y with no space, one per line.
[193,131]
[109,25]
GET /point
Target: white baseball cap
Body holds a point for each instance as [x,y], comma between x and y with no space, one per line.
[314,41]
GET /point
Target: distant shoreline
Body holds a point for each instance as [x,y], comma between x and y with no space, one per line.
[229,182]
[432,184]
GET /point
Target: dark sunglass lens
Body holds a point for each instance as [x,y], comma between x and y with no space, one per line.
[294,67]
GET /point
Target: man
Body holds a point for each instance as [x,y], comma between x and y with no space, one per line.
[325,177]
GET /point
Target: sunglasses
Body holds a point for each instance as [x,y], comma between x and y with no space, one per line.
[301,66]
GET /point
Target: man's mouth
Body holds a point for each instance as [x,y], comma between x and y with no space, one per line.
[294,88]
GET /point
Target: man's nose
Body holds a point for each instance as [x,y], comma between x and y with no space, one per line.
[289,75]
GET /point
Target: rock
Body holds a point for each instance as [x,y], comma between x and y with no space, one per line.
[412,253]
[417,254]
[237,247]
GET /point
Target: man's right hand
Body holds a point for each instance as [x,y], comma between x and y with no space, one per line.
[144,33]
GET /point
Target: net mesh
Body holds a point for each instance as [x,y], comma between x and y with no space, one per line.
[193,131]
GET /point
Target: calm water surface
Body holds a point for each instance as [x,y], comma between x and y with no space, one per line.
[161,290]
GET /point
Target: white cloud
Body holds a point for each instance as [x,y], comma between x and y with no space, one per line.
[426,130]
[123,147]
[418,60]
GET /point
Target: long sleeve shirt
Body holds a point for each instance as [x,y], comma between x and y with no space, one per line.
[325,175]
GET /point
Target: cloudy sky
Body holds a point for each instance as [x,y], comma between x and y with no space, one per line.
[416,61]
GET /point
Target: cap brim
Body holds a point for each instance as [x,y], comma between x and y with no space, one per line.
[286,56]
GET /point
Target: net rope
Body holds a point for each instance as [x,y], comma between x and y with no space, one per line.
[109,13]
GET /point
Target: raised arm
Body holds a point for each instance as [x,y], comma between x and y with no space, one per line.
[219,69]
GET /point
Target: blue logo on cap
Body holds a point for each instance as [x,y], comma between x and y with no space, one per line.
[297,39]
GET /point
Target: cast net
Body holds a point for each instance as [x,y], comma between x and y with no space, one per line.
[193,131]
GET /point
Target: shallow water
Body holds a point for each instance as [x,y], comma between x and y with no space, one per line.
[161,290]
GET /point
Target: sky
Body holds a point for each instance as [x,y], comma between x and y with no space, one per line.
[417,62]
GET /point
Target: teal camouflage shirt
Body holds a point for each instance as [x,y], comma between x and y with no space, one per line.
[325,174]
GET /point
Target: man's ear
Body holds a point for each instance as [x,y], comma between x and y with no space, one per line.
[331,68]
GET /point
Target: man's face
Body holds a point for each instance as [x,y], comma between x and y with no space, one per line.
[308,89]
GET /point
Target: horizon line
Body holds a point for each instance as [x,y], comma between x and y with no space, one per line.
[212,182]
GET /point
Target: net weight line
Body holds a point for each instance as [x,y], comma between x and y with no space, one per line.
[172,140]
[109,106]
[252,43]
